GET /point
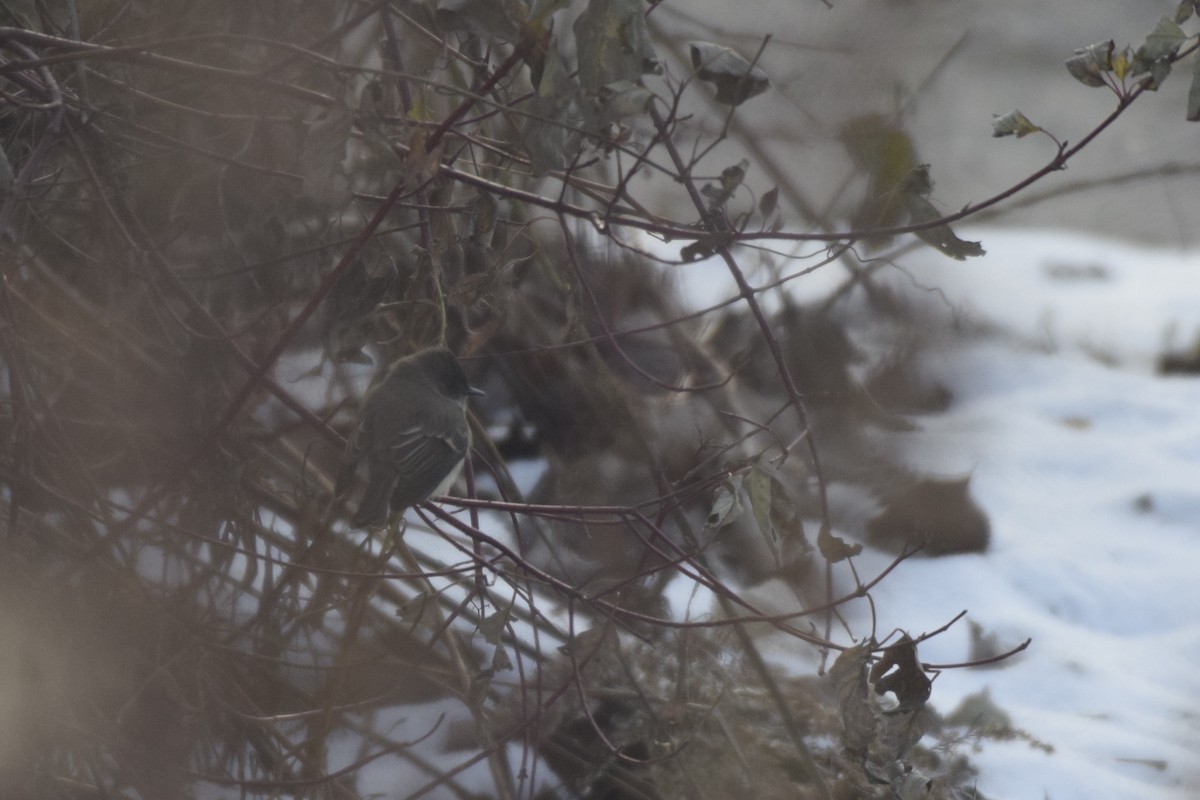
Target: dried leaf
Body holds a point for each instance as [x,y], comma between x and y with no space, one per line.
[547,135]
[1122,64]
[1157,53]
[883,152]
[849,677]
[908,681]
[613,44]
[1163,42]
[899,671]
[492,626]
[834,548]
[623,99]
[899,732]
[1193,101]
[731,179]
[881,739]
[1089,64]
[1159,71]
[500,660]
[1014,123]
[485,18]
[705,246]
[758,487]
[942,237]
[736,79]
[768,202]
[917,181]
[725,504]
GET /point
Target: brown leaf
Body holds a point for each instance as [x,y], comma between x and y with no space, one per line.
[849,677]
[834,548]
[736,79]
[908,682]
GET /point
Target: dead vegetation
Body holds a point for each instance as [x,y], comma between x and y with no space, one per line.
[217,214]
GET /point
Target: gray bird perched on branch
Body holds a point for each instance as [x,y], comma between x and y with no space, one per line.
[413,435]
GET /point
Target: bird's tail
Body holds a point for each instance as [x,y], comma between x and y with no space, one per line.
[373,508]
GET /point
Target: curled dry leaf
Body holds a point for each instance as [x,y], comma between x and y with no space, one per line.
[899,671]
[834,548]
[849,676]
[725,502]
[1089,64]
[735,78]
[1014,123]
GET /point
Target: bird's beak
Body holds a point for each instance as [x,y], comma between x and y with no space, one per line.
[473,392]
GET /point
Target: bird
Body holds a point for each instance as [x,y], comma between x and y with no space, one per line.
[413,435]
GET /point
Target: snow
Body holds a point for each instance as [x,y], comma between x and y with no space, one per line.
[1088,464]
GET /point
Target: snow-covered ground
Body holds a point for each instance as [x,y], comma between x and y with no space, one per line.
[1088,464]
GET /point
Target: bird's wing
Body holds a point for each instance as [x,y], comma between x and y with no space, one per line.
[422,462]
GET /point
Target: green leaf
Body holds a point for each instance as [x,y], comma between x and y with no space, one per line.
[1014,123]
[736,79]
